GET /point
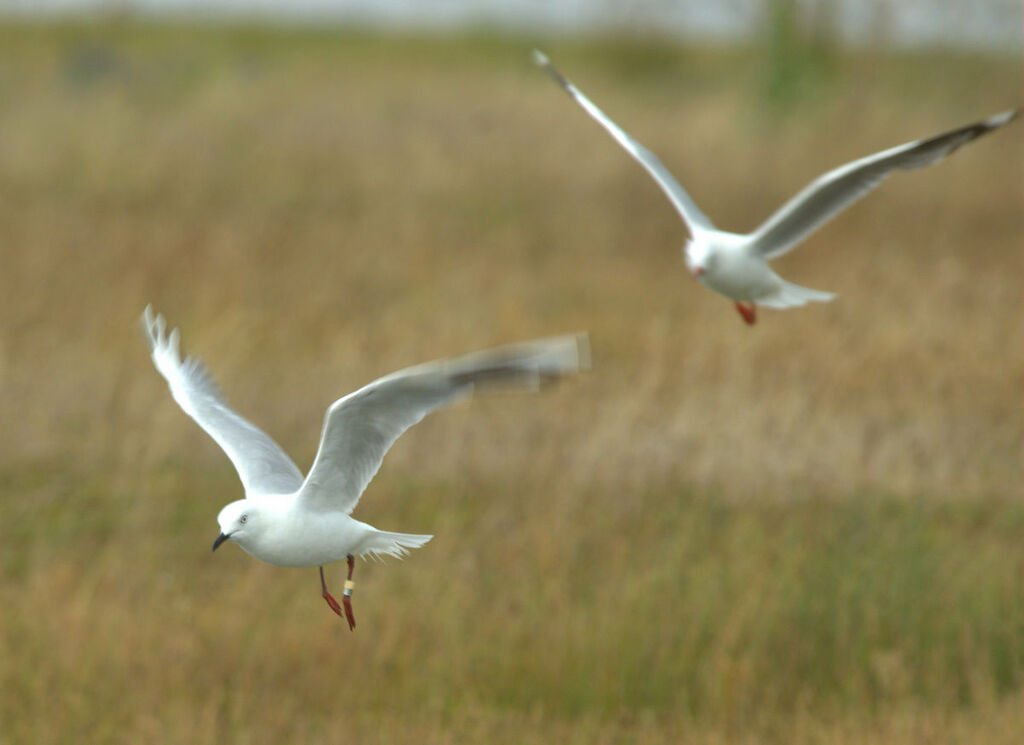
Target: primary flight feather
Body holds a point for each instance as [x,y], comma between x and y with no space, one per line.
[288,520]
[736,265]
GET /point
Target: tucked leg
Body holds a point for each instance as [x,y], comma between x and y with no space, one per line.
[748,311]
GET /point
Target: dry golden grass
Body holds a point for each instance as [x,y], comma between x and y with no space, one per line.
[812,525]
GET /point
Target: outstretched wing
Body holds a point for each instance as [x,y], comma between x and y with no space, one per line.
[685,206]
[827,196]
[261,464]
[361,427]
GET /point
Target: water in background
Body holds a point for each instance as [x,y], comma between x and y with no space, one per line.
[988,24]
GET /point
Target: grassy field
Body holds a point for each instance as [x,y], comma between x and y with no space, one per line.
[808,531]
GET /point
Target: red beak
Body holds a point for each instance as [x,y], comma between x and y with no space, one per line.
[697,271]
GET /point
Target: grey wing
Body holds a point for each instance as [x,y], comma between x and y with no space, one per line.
[685,206]
[827,196]
[261,464]
[361,427]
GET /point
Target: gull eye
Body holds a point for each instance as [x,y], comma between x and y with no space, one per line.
[242,519]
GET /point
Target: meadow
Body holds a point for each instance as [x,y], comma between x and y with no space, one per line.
[807,531]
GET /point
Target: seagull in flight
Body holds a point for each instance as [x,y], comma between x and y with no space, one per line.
[291,521]
[736,265]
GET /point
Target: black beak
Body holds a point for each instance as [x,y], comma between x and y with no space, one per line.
[220,539]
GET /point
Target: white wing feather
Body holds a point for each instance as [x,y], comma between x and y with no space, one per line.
[262,465]
[828,195]
[695,219]
[361,427]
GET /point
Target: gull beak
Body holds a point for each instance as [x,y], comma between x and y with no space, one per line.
[220,539]
[697,271]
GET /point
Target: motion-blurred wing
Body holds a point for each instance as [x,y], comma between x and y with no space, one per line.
[685,206]
[261,464]
[361,427]
[826,197]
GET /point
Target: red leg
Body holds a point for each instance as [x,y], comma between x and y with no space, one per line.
[327,596]
[748,311]
[346,595]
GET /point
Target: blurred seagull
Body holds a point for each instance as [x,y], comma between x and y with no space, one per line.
[289,521]
[736,265]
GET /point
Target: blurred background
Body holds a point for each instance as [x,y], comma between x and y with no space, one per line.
[807,531]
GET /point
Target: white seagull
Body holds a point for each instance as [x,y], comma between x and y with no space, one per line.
[736,265]
[291,521]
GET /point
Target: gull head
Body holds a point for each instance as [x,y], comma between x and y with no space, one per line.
[699,258]
[239,522]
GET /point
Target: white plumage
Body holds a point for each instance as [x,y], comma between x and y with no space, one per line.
[288,520]
[736,265]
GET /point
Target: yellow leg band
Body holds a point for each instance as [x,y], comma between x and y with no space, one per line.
[349,586]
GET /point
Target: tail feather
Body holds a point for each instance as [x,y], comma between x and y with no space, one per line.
[382,543]
[790,295]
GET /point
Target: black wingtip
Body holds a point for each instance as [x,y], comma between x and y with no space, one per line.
[542,61]
[995,121]
[991,124]
[957,138]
